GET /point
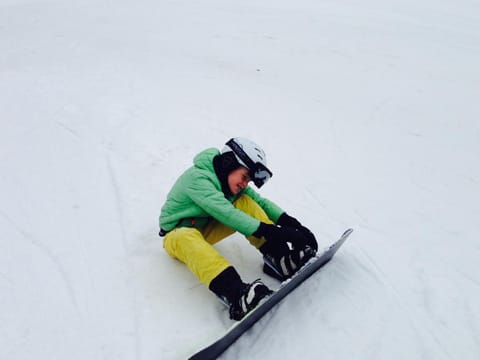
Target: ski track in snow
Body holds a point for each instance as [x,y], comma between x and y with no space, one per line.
[124,238]
[118,204]
[49,254]
[68,129]
[469,278]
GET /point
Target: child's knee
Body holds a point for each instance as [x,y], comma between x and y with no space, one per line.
[249,206]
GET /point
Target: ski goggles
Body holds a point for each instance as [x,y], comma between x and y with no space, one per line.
[258,172]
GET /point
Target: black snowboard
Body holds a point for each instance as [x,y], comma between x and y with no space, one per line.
[219,346]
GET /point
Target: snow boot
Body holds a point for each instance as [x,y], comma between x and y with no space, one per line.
[239,297]
[284,266]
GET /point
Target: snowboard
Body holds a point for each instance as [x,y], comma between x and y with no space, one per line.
[214,350]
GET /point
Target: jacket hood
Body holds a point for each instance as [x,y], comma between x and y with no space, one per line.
[204,160]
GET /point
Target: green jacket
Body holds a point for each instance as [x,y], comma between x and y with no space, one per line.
[198,194]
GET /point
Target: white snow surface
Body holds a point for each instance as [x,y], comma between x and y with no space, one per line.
[368,111]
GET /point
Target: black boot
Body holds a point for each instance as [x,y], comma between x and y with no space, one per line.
[238,296]
[227,285]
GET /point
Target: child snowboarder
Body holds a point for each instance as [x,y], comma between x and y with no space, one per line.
[210,201]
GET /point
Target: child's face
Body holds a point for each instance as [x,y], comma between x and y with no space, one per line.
[238,179]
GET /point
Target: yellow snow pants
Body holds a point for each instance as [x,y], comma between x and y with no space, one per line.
[194,247]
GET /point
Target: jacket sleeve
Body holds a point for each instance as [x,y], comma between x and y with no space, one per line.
[205,194]
[272,210]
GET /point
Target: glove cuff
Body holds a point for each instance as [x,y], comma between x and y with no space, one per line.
[261,231]
[287,220]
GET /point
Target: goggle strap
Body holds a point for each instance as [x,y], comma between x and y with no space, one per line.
[237,149]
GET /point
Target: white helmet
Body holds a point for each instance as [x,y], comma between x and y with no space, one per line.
[252,157]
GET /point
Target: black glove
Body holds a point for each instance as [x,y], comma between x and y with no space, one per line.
[281,259]
[278,239]
[286,220]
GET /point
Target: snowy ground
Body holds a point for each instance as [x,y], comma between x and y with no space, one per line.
[369,113]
